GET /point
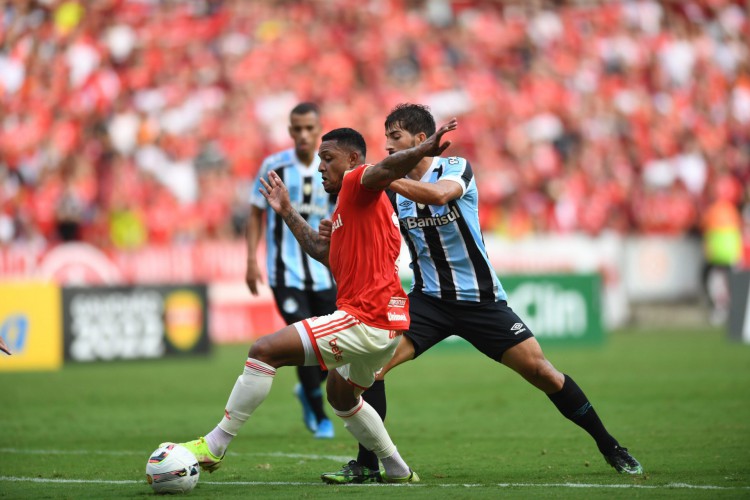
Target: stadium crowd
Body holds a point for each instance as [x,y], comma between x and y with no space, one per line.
[126,122]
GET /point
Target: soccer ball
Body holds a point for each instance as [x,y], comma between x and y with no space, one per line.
[172,469]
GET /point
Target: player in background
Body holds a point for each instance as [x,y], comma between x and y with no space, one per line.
[456,291]
[359,338]
[302,287]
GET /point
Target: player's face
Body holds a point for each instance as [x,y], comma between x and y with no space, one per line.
[334,162]
[398,139]
[305,130]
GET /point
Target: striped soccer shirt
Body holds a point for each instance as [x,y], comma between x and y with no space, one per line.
[287,264]
[447,249]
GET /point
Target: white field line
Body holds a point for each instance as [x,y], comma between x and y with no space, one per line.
[335,458]
[670,486]
[19,451]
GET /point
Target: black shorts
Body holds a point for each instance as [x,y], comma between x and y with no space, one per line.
[491,327]
[295,304]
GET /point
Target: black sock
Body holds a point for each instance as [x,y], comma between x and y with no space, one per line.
[575,406]
[375,397]
[311,377]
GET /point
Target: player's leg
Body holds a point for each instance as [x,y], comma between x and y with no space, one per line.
[358,351]
[364,423]
[283,348]
[311,378]
[499,333]
[428,320]
[295,305]
[528,360]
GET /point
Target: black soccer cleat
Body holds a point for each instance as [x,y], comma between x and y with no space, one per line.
[352,472]
[623,462]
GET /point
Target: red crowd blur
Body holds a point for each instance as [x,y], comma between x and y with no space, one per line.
[133,122]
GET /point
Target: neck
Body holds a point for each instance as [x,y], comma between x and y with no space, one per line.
[418,171]
[305,159]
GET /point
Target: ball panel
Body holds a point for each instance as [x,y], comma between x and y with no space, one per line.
[172,469]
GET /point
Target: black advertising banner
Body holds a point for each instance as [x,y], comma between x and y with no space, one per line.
[134,322]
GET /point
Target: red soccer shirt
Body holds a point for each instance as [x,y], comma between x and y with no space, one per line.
[365,244]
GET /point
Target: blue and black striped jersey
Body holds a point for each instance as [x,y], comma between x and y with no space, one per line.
[287,264]
[447,249]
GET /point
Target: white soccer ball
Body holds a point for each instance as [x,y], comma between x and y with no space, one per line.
[172,469]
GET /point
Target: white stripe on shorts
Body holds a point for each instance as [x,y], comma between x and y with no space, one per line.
[310,358]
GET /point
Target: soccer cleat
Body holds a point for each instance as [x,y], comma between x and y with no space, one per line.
[207,460]
[623,462]
[352,473]
[411,478]
[308,415]
[325,429]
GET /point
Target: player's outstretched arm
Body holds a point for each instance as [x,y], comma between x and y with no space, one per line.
[277,195]
[397,165]
[438,193]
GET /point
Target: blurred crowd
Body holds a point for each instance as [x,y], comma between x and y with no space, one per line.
[133,122]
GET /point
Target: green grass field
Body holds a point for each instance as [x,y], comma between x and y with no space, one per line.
[472,429]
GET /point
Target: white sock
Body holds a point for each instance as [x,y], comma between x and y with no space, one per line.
[248,393]
[395,466]
[364,423]
[218,440]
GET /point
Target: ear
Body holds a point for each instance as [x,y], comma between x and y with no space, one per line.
[420,138]
[354,159]
[289,129]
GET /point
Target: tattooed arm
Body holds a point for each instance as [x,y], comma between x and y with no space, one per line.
[278,199]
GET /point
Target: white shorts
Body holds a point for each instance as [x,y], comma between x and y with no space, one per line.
[341,341]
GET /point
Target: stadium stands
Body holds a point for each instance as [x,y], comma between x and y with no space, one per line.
[126,122]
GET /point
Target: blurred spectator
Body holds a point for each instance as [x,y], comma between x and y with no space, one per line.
[126,122]
[722,238]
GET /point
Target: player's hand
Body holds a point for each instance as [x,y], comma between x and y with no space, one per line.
[432,146]
[275,192]
[4,347]
[253,277]
[325,229]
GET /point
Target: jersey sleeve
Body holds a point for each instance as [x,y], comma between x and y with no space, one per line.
[458,170]
[257,199]
[360,194]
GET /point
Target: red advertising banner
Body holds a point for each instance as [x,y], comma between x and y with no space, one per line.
[235,315]
[80,263]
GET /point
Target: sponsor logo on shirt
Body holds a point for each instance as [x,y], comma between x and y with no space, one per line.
[396,316]
[397,302]
[337,223]
[420,222]
[518,328]
[311,209]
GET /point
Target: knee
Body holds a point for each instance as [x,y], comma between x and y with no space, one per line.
[261,350]
[335,401]
[544,376]
[342,398]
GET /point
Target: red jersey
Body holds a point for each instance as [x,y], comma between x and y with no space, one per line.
[365,245]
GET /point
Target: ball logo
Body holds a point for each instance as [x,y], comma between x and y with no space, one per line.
[183,318]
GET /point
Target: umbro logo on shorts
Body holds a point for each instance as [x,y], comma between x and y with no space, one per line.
[518,328]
